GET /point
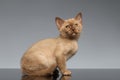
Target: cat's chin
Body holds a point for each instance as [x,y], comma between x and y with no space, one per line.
[71,36]
[74,35]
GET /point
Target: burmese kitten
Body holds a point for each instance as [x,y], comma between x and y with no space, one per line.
[45,56]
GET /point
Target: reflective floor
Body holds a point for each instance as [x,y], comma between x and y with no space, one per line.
[77,74]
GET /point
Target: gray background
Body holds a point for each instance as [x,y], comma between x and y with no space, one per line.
[23,22]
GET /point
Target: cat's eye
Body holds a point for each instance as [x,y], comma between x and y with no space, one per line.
[76,24]
[67,26]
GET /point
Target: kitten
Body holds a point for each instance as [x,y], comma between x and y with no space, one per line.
[45,56]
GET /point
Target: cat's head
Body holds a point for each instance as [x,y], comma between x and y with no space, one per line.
[70,28]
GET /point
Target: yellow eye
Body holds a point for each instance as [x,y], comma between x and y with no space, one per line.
[76,24]
[67,26]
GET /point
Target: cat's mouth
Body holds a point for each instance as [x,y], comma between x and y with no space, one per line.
[74,34]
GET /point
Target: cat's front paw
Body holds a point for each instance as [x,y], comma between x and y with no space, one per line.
[67,73]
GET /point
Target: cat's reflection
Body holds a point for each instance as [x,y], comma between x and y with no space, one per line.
[65,78]
[45,78]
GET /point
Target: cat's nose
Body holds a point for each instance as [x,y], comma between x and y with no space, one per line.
[73,28]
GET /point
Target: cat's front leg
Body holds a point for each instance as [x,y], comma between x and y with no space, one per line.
[61,62]
[62,65]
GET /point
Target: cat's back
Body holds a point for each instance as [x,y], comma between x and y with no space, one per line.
[45,43]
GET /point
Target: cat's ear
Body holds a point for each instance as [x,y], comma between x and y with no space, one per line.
[79,17]
[59,22]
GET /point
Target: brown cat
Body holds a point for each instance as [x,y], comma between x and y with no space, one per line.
[46,55]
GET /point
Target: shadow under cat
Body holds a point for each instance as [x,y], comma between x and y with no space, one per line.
[54,77]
